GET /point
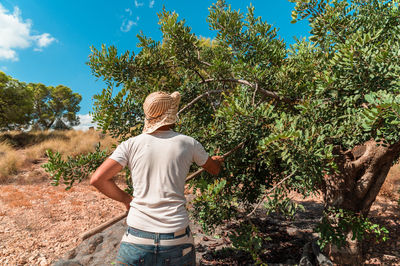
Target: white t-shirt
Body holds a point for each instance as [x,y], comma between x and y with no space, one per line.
[159,164]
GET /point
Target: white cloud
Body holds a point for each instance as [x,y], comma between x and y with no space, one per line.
[151,4]
[6,53]
[127,25]
[138,4]
[44,40]
[128,10]
[15,33]
[85,122]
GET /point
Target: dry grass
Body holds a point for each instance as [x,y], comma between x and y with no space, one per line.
[10,161]
[20,150]
[75,143]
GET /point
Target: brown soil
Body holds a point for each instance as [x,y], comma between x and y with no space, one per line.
[39,223]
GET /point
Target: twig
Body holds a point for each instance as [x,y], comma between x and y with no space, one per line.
[201,170]
[254,94]
[269,191]
[199,57]
[265,92]
[198,74]
[197,99]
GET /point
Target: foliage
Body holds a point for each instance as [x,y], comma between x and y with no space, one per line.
[15,106]
[74,169]
[208,205]
[278,202]
[43,106]
[247,238]
[54,107]
[336,224]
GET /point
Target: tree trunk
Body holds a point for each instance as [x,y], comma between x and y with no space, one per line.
[362,172]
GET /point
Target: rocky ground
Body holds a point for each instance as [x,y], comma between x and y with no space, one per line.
[40,224]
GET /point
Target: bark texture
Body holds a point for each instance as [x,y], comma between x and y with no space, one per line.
[362,172]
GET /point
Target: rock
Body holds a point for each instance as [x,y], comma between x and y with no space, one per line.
[389,257]
[306,256]
[42,261]
[67,263]
[100,249]
[291,231]
[321,258]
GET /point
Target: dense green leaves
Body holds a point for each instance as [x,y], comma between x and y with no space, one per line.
[336,224]
[54,107]
[44,107]
[73,169]
[15,104]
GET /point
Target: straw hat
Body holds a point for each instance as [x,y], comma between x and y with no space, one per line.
[160,109]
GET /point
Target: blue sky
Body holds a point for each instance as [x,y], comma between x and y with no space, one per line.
[48,41]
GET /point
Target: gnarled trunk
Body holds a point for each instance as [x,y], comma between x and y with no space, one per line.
[362,172]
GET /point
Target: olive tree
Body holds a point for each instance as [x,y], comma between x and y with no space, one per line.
[320,116]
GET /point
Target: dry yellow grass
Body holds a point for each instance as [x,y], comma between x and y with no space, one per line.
[10,161]
[21,149]
[74,143]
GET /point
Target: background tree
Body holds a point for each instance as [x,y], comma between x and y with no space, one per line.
[54,107]
[321,116]
[15,103]
[42,106]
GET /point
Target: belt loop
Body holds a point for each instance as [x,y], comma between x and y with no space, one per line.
[156,238]
[188,231]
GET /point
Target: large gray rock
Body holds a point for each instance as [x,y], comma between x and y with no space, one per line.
[100,249]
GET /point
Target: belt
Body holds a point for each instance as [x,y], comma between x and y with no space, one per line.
[136,236]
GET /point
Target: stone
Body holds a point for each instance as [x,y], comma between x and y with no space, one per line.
[100,249]
[42,261]
[389,257]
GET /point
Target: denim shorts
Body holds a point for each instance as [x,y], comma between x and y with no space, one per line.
[138,254]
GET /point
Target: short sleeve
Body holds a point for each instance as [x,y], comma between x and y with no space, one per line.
[200,156]
[120,154]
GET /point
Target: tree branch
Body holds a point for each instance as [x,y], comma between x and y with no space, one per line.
[201,170]
[198,74]
[269,191]
[357,164]
[265,92]
[254,94]
[198,98]
[199,58]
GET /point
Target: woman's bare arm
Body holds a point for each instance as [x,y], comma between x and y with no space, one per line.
[102,180]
